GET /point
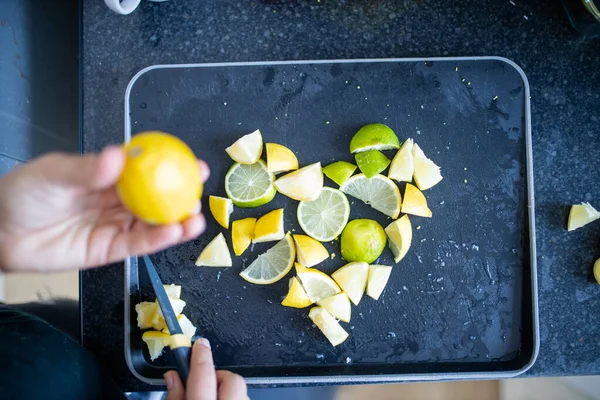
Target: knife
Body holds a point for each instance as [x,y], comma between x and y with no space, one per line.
[180,344]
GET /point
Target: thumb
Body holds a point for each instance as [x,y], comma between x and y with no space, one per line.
[91,171]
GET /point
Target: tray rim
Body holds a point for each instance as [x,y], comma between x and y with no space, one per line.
[365,379]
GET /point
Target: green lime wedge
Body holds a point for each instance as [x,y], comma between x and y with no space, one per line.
[339,171]
[374,137]
[372,162]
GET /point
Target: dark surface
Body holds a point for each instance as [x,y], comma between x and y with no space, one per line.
[562,69]
[453,304]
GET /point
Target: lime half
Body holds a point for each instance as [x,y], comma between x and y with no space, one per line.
[339,171]
[374,137]
[324,218]
[272,265]
[379,192]
[250,185]
[372,162]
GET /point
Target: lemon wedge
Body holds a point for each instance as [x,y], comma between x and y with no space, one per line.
[426,174]
[317,284]
[309,252]
[338,305]
[242,233]
[269,227]
[399,235]
[378,278]
[158,321]
[580,215]
[352,278]
[296,297]
[302,185]
[156,342]
[186,325]
[247,149]
[220,208]
[272,265]
[327,324]
[379,192]
[339,171]
[402,167]
[173,291]
[216,254]
[415,202]
[280,158]
[145,313]
[597,270]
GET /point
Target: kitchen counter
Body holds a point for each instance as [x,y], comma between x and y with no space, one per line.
[563,71]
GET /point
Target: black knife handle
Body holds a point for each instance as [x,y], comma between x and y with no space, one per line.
[182,362]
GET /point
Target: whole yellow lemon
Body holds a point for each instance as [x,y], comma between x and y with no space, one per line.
[160,183]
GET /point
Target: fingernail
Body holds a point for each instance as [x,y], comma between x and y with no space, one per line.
[168,380]
[204,342]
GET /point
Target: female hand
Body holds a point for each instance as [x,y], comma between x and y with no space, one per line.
[62,212]
[204,383]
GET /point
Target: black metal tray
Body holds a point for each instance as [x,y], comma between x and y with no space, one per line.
[462,304]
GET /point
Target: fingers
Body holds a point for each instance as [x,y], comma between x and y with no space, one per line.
[231,386]
[193,226]
[90,171]
[204,170]
[202,381]
[144,239]
[175,389]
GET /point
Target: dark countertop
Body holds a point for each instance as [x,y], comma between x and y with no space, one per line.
[563,71]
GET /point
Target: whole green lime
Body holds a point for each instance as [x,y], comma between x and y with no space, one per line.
[362,240]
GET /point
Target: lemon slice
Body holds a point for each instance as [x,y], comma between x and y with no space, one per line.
[379,192]
[399,235]
[216,254]
[580,215]
[156,342]
[339,171]
[269,227]
[327,324]
[426,174]
[415,202]
[280,158]
[242,233]
[317,284]
[272,265]
[338,305]
[403,163]
[302,185]
[186,325]
[296,297]
[145,312]
[247,149]
[597,270]
[220,208]
[250,186]
[378,278]
[374,137]
[324,219]
[173,291]
[352,278]
[309,252]
[371,162]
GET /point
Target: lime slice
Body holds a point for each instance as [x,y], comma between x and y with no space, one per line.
[317,284]
[273,265]
[247,149]
[339,171]
[374,137]
[580,215]
[250,185]
[426,174]
[338,305]
[324,219]
[327,324]
[378,278]
[371,162]
[379,192]
[403,164]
